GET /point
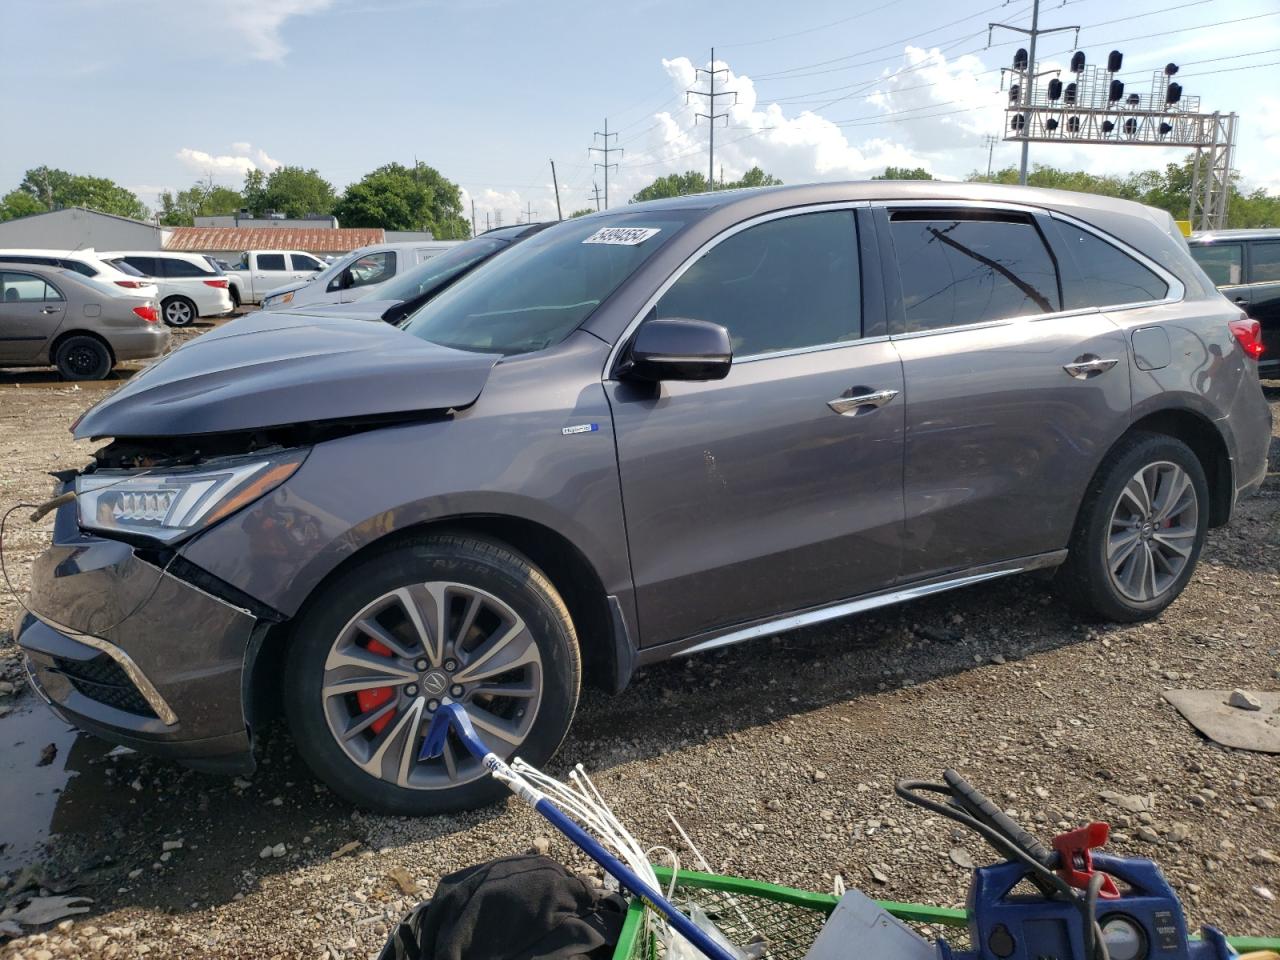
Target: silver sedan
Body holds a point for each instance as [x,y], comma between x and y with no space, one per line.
[49,315]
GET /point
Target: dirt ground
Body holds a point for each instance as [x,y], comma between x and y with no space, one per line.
[778,757]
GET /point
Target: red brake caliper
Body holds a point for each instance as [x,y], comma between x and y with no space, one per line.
[375,697]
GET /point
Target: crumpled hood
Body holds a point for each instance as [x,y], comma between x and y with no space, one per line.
[273,369]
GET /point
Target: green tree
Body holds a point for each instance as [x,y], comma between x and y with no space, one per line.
[52,188]
[682,184]
[396,197]
[293,191]
[582,213]
[204,199]
[19,203]
[903,173]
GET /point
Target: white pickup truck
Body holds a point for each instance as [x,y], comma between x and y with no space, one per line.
[260,271]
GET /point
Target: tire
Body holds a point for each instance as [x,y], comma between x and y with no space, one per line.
[1128,558]
[235,297]
[82,357]
[179,312]
[486,588]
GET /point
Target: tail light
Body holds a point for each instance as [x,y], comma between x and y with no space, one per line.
[148,313]
[1249,333]
[221,284]
[133,284]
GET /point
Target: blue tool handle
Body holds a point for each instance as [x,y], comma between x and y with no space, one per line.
[628,879]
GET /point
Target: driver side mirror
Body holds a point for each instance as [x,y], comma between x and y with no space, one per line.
[678,349]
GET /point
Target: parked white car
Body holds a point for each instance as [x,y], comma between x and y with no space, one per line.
[189,286]
[357,274]
[88,263]
[259,272]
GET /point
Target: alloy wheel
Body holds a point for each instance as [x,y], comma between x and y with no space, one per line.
[1153,531]
[178,313]
[410,651]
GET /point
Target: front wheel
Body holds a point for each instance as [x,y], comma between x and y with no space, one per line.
[1140,531]
[442,619]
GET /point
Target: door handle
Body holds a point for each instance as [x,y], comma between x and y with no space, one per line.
[51,310]
[861,403]
[1088,366]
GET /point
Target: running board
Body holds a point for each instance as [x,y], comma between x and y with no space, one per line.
[871,602]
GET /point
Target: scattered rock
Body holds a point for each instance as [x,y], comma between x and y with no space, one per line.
[879,873]
[408,886]
[40,910]
[1243,700]
[265,853]
[1134,803]
[278,850]
[1264,856]
[1147,834]
[47,755]
[541,846]
[171,845]
[1264,893]
[961,858]
[346,849]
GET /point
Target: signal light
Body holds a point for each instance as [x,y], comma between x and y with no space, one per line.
[1015,93]
[1020,59]
[1115,91]
[1069,94]
[1173,94]
[1165,129]
[1114,60]
[1170,69]
[1051,124]
[1133,100]
[1073,124]
[1107,126]
[1077,62]
[1131,126]
[1055,89]
[1018,122]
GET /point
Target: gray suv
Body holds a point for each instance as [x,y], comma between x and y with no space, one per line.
[641,434]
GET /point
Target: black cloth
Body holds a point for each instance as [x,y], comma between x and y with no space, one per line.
[516,908]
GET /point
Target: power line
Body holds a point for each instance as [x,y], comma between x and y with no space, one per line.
[822,26]
[711,117]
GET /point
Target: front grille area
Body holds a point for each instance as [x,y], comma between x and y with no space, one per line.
[103,680]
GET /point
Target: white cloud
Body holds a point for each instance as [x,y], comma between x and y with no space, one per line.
[242,158]
[258,23]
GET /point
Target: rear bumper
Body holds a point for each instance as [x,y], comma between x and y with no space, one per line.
[125,651]
[217,305]
[142,344]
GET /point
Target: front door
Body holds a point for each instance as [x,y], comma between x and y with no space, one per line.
[1016,383]
[777,488]
[30,313]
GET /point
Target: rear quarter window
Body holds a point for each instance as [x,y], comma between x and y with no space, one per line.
[1095,273]
[183,269]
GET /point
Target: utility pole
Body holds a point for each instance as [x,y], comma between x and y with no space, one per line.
[990,140]
[528,216]
[711,117]
[487,222]
[605,150]
[595,192]
[1029,74]
[473,216]
[556,183]
[497,218]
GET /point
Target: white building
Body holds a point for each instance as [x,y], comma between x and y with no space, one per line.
[78,228]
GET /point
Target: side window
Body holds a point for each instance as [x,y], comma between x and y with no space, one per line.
[271,261]
[23,288]
[79,266]
[373,268]
[182,268]
[959,268]
[1096,274]
[1264,263]
[303,262]
[1223,262]
[781,285]
[147,266]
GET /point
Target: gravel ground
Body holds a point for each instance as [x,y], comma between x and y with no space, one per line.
[778,757]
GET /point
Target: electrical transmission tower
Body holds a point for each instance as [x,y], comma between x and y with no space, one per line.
[605,151]
[711,117]
[1028,76]
[529,211]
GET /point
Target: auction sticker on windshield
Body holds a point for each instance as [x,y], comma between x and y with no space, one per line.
[624,236]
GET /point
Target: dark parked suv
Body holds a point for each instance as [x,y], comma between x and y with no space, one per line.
[1245,265]
[640,434]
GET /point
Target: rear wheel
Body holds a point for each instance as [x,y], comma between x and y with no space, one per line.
[1140,531]
[83,358]
[179,312]
[443,619]
[235,297]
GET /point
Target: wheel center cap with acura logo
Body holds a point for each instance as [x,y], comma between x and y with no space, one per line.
[434,683]
[1148,529]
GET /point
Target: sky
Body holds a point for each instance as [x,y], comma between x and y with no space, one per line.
[156,94]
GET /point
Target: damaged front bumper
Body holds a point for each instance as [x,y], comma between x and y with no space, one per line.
[125,650]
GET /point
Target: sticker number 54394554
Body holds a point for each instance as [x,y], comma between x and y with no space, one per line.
[624,236]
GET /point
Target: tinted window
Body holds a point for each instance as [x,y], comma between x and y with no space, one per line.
[1096,274]
[372,268]
[183,268]
[544,288]
[271,261]
[24,288]
[958,271]
[781,285]
[79,267]
[302,262]
[148,266]
[1223,262]
[1264,262]
[13,258]
[127,269]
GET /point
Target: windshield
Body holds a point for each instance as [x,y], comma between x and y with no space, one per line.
[540,292]
[438,270]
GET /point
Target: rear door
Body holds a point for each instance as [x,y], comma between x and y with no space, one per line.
[1264,296]
[31,311]
[755,496]
[1012,398]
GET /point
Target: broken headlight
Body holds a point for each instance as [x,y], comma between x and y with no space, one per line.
[170,503]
